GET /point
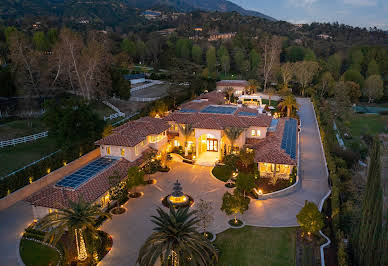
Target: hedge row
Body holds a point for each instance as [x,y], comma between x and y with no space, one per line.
[42,168]
[337,168]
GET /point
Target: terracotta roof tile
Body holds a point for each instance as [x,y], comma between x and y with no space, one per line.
[134,132]
[55,197]
[268,150]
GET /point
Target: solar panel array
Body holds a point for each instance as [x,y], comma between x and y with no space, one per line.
[187,111]
[211,109]
[247,114]
[273,125]
[85,173]
[289,137]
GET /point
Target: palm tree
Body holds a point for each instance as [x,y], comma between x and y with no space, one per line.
[175,241]
[233,133]
[186,130]
[229,92]
[252,87]
[289,103]
[80,216]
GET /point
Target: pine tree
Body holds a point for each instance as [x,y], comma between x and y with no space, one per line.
[369,236]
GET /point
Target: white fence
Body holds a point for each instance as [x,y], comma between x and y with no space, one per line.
[113,116]
[13,142]
[145,99]
[114,108]
[151,83]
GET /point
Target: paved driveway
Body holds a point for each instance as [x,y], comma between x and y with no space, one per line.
[130,230]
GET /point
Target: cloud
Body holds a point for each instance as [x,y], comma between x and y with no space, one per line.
[302,3]
[361,2]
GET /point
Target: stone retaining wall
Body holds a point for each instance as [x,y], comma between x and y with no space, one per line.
[52,177]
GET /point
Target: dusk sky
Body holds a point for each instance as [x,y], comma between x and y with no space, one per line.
[363,13]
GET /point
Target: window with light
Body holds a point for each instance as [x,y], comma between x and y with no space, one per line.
[122,152]
[108,150]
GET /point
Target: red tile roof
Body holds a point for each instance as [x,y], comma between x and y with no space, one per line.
[204,100]
[219,121]
[268,150]
[55,197]
[134,132]
[233,83]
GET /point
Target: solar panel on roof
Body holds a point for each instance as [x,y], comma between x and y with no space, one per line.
[211,109]
[247,114]
[82,175]
[289,138]
[187,111]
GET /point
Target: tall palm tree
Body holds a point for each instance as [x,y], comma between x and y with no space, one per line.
[289,103]
[80,216]
[176,242]
[233,133]
[186,130]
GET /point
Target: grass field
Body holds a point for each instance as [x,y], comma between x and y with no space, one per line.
[15,157]
[360,124]
[20,128]
[34,254]
[273,103]
[257,246]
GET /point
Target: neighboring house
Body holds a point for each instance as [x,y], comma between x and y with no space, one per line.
[150,14]
[135,78]
[237,85]
[166,32]
[221,36]
[324,36]
[274,141]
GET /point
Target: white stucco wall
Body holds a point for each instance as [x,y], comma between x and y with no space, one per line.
[238,90]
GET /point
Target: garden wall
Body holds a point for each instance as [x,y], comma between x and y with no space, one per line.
[52,177]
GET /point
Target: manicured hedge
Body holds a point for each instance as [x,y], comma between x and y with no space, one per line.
[337,170]
[37,171]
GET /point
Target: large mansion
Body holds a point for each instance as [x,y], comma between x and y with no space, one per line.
[274,142]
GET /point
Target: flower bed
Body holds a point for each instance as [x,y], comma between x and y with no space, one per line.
[117,210]
[235,222]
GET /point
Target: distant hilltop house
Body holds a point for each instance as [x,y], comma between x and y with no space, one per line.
[299,25]
[166,32]
[237,85]
[324,36]
[221,36]
[135,78]
[176,15]
[83,21]
[198,29]
[151,14]
[36,25]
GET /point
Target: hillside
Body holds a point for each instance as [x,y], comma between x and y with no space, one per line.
[112,10]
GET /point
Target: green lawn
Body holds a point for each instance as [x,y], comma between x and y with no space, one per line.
[273,103]
[21,128]
[101,109]
[257,246]
[15,157]
[35,254]
[360,124]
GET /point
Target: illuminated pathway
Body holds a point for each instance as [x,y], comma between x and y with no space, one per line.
[131,229]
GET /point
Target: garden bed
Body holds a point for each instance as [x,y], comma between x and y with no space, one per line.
[235,222]
[265,184]
[118,210]
[135,195]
